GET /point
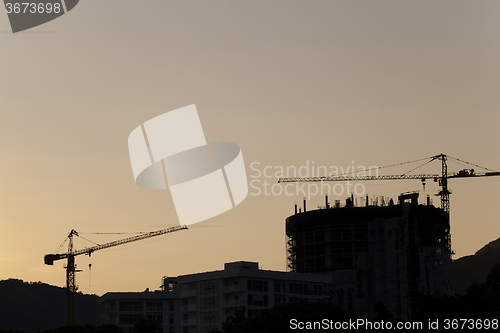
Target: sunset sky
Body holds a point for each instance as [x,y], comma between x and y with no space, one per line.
[340,83]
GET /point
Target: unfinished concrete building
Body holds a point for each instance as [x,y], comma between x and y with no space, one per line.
[374,253]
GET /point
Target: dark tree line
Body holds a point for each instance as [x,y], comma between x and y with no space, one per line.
[278,318]
[481,301]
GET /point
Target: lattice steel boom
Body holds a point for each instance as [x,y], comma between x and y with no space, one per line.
[444,193]
[71,266]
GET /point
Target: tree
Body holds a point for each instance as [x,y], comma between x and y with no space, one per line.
[491,286]
[280,317]
[382,312]
[231,321]
[142,325]
[109,328]
[481,301]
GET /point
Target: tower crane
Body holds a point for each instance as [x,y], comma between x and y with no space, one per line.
[442,179]
[72,253]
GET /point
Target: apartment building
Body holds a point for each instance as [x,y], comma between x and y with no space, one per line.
[198,303]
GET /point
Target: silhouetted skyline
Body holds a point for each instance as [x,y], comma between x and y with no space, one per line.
[327,81]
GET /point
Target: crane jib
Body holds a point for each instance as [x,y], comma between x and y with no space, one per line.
[50,258]
[460,174]
[71,266]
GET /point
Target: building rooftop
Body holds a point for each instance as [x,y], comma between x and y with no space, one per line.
[251,269]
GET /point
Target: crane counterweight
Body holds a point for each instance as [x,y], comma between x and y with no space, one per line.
[442,180]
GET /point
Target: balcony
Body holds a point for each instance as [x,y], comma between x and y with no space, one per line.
[189,308]
[234,288]
[235,303]
[189,293]
[189,322]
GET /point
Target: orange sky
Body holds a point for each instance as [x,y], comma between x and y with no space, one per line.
[374,82]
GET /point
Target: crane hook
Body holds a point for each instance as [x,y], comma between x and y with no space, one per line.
[90,274]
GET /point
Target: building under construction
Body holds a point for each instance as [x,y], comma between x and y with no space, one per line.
[375,253]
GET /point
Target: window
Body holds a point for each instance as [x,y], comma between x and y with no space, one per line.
[171,318]
[185,316]
[209,287]
[257,285]
[125,319]
[128,319]
[154,306]
[130,306]
[209,329]
[253,312]
[258,300]
[209,317]
[209,302]
[154,317]
[297,299]
[171,305]
[305,289]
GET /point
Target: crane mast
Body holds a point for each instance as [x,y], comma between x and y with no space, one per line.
[445,198]
[442,179]
[70,279]
[71,266]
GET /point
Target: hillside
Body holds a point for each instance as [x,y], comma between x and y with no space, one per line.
[34,307]
[475,268]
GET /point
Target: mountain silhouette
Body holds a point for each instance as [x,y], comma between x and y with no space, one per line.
[35,306]
[474,268]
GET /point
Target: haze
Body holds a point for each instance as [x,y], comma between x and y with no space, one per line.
[374,82]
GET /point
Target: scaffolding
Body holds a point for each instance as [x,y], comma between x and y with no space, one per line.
[374,253]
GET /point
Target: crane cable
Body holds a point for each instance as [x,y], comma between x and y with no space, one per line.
[402,163]
[62,244]
[420,159]
[478,166]
[114,233]
[417,167]
[90,265]
[88,240]
[432,158]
